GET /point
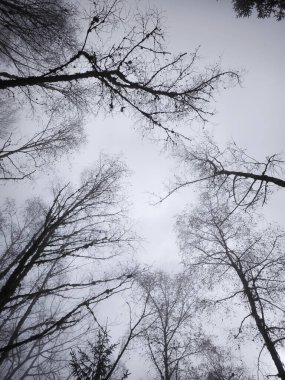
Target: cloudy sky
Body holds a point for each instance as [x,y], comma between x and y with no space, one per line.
[251,114]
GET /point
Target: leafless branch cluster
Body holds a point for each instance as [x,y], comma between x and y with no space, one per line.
[50,254]
[123,65]
[20,158]
[252,260]
[35,34]
[218,364]
[171,337]
[119,64]
[231,172]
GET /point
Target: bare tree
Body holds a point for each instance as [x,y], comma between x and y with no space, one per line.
[231,172]
[35,34]
[20,158]
[45,359]
[171,336]
[216,363]
[44,286]
[123,64]
[234,251]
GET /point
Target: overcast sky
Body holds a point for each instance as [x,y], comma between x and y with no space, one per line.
[252,115]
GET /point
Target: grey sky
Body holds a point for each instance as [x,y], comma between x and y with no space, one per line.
[252,115]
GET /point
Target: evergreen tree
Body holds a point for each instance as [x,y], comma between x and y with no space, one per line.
[264,8]
[98,363]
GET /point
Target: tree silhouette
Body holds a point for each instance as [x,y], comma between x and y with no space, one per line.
[98,364]
[35,34]
[43,291]
[171,336]
[245,181]
[121,65]
[264,8]
[232,250]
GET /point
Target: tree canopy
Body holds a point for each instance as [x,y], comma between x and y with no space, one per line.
[69,251]
[264,8]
